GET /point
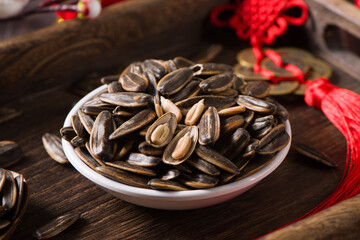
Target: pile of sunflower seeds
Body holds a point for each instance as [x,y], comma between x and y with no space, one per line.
[177,125]
[14,200]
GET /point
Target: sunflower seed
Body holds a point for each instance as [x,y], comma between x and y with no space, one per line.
[125,111]
[109,79]
[199,180]
[78,126]
[231,123]
[53,147]
[78,141]
[174,81]
[10,153]
[258,89]
[209,127]
[228,93]
[218,83]
[132,168]
[219,102]
[251,148]
[168,106]
[216,158]
[2,178]
[232,146]
[274,141]
[9,192]
[101,146]
[95,110]
[136,67]
[210,68]
[56,226]
[86,157]
[231,111]
[133,82]
[195,112]
[156,67]
[67,133]
[123,176]
[203,166]
[160,184]
[190,90]
[114,87]
[127,99]
[240,163]
[255,165]
[21,194]
[158,109]
[96,102]
[124,150]
[170,66]
[142,160]
[152,90]
[313,154]
[86,121]
[162,130]
[181,146]
[170,174]
[138,121]
[148,149]
[182,62]
[256,104]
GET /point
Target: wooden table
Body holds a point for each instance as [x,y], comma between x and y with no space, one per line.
[291,190]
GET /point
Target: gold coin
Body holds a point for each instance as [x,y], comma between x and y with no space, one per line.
[301,89]
[296,52]
[318,68]
[246,57]
[283,88]
[268,64]
[247,73]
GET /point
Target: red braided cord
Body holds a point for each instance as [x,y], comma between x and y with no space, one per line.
[261,21]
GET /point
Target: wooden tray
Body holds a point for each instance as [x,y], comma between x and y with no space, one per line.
[37,70]
[334,33]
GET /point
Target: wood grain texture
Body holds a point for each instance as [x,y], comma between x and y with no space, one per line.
[291,190]
[66,51]
[338,222]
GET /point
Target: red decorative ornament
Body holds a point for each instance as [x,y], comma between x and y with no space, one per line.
[261,21]
[86,7]
[357,3]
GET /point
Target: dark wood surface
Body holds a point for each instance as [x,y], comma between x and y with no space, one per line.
[293,189]
[290,191]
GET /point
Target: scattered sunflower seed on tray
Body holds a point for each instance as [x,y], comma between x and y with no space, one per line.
[14,200]
[178,125]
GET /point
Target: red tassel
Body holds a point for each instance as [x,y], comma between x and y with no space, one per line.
[342,108]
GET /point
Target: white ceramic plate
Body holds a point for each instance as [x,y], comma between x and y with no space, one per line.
[167,199]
